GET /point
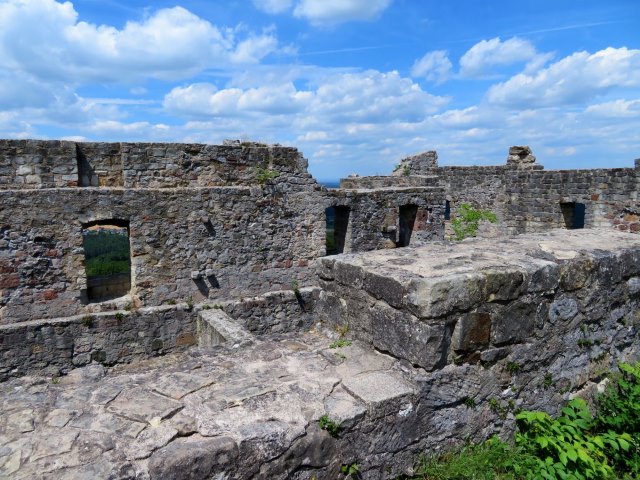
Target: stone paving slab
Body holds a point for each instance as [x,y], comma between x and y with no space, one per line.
[187,415]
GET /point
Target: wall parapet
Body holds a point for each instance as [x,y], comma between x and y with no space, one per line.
[36,164]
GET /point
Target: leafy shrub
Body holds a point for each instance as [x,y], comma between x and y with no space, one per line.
[465,224]
[573,446]
[619,411]
[565,447]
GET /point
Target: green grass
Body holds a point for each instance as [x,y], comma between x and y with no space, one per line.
[340,343]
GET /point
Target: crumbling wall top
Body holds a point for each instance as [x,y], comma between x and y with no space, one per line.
[417,164]
[521,156]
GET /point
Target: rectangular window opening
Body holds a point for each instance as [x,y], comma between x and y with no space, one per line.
[337,222]
[573,214]
[107,259]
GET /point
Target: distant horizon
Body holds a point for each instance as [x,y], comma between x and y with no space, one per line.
[355,85]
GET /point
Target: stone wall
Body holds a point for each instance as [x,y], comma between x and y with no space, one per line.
[525,197]
[27,164]
[55,346]
[190,236]
[562,305]
[33,164]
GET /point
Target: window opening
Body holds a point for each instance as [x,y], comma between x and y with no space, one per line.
[337,222]
[573,214]
[107,259]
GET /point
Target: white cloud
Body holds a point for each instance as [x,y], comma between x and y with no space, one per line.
[273,6]
[325,12]
[479,59]
[366,97]
[45,39]
[573,80]
[204,99]
[435,66]
[615,109]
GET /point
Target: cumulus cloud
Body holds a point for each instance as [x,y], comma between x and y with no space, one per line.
[45,39]
[435,66]
[479,60]
[367,97]
[337,11]
[204,99]
[575,79]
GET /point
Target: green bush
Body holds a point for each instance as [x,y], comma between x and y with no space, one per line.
[619,411]
[567,447]
[573,446]
[465,224]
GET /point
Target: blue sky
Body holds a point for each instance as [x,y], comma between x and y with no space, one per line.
[354,84]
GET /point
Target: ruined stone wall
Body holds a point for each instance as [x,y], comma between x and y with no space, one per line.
[55,346]
[27,164]
[528,199]
[492,327]
[188,241]
[373,219]
[32,164]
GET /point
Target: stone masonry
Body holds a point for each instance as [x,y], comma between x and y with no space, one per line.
[220,362]
[462,334]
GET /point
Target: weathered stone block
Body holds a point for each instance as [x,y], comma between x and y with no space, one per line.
[472,332]
[405,336]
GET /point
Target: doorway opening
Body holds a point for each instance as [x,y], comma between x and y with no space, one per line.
[407,219]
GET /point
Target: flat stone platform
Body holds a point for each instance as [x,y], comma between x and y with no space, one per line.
[225,413]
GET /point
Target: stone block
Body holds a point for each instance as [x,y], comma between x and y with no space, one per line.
[215,327]
[193,457]
[405,336]
[436,297]
[563,308]
[374,388]
[472,332]
[513,323]
[385,287]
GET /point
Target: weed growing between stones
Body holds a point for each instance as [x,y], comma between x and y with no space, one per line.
[87,321]
[341,342]
[342,330]
[467,219]
[350,471]
[513,367]
[264,175]
[576,445]
[331,427]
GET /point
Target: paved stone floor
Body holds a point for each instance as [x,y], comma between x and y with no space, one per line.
[188,415]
